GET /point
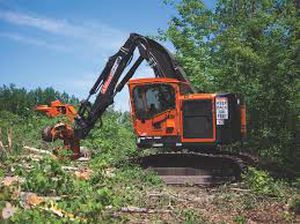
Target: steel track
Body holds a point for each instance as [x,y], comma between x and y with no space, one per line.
[196,168]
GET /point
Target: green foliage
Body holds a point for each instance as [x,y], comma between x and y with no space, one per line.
[135,172]
[250,48]
[45,176]
[239,219]
[296,184]
[111,146]
[114,141]
[191,217]
[261,183]
[1,173]
[36,216]
[295,205]
[26,129]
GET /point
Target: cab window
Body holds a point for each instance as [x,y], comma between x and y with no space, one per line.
[151,100]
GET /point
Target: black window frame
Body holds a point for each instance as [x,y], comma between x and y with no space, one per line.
[185,89]
[145,115]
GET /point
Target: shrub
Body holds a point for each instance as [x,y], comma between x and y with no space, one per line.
[261,183]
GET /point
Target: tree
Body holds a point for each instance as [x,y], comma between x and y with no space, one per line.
[250,48]
[20,101]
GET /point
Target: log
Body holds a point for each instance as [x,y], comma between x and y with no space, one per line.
[83,159]
[9,138]
[1,143]
[70,168]
[38,151]
[143,210]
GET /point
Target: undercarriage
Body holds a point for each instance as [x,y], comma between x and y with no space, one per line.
[196,168]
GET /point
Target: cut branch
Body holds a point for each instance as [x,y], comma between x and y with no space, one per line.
[1,143]
[9,138]
[39,151]
[143,210]
[35,150]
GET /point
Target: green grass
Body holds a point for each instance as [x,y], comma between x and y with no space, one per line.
[116,183]
[111,145]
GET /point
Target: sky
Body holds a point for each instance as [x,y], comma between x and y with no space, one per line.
[65,44]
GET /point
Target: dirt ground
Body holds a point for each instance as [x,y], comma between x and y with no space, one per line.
[225,204]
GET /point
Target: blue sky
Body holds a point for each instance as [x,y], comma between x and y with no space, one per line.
[65,43]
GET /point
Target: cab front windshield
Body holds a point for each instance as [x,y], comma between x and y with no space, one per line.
[151,100]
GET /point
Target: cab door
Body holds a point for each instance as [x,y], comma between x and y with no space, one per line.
[154,109]
[198,119]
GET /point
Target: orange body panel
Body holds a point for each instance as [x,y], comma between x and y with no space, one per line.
[243,121]
[170,121]
[165,120]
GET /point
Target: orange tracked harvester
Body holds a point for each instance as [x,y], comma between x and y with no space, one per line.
[166,113]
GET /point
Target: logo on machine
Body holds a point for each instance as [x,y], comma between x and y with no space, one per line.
[111,74]
[222,110]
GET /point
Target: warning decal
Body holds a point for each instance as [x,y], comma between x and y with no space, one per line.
[222,109]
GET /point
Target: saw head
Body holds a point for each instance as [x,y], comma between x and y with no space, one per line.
[64,132]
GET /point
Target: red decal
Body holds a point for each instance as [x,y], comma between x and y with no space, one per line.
[106,84]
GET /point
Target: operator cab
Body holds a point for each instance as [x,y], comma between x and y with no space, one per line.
[153,99]
[166,113]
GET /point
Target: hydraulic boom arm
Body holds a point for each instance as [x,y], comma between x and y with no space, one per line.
[108,85]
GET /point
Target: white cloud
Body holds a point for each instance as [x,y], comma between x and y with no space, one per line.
[29,40]
[33,21]
[91,39]
[97,35]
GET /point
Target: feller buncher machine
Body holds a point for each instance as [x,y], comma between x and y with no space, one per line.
[167,113]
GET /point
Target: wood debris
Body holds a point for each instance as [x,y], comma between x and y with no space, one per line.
[35,150]
[83,159]
[62,213]
[8,181]
[8,211]
[9,138]
[8,147]
[1,143]
[30,200]
[83,174]
[39,151]
[109,172]
[86,153]
[70,168]
[143,210]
